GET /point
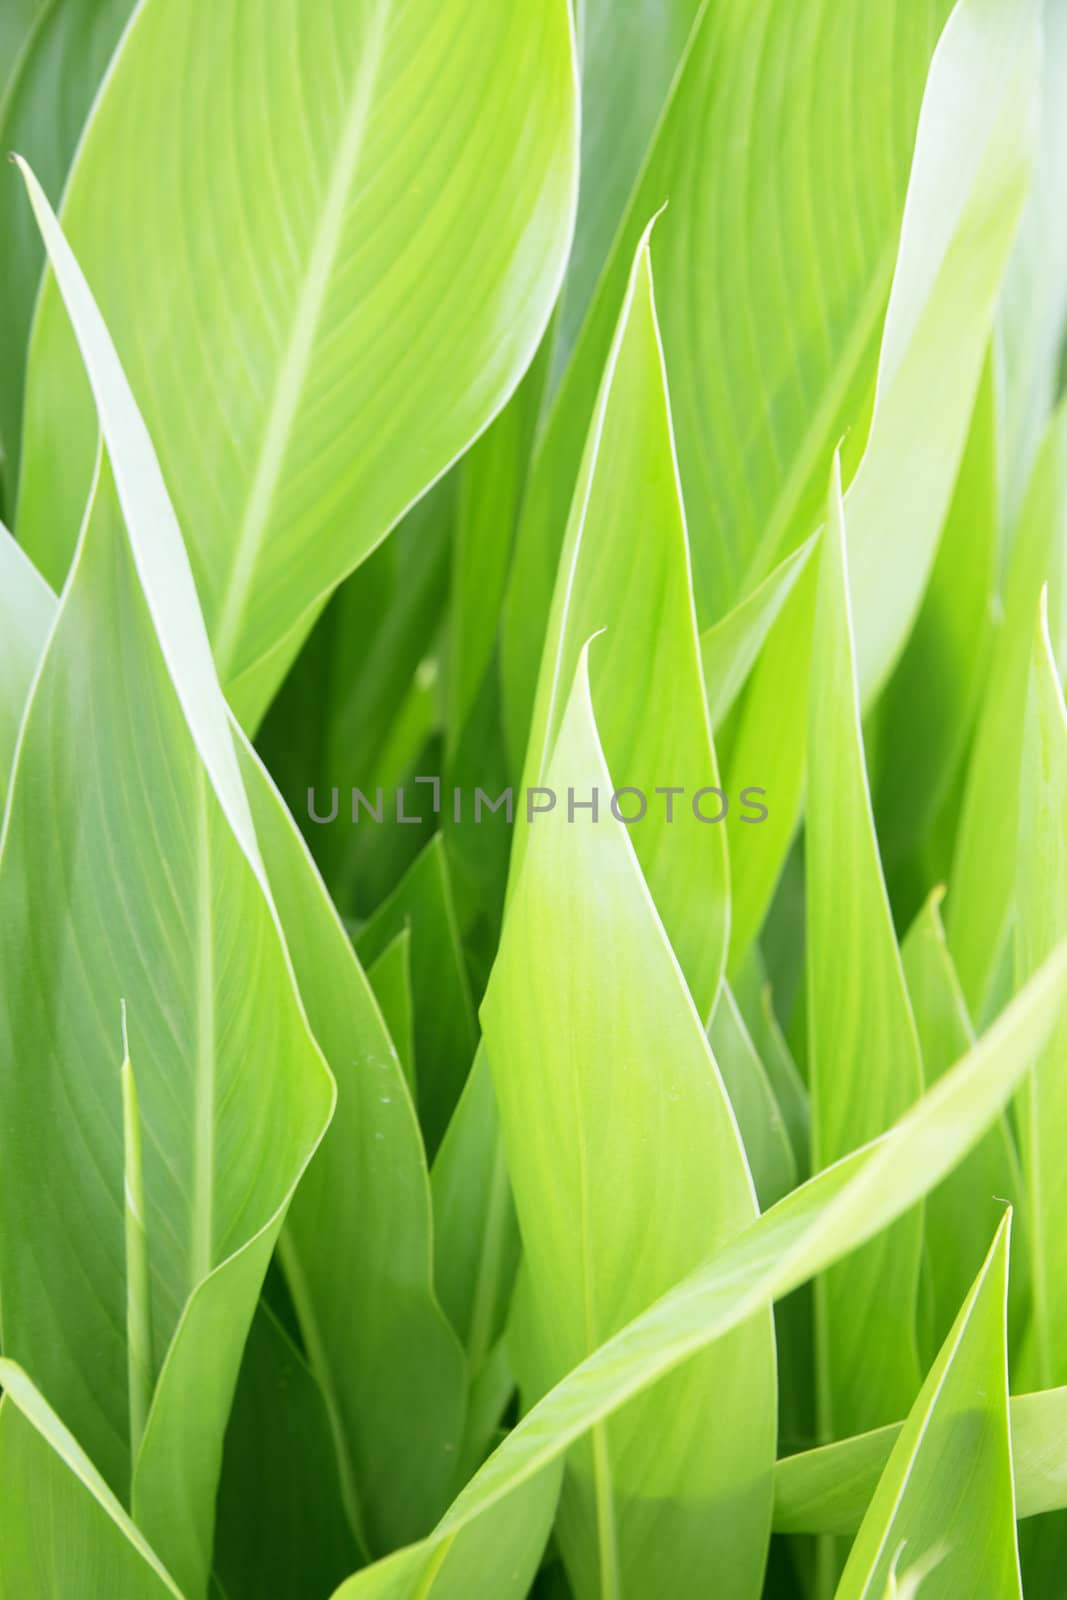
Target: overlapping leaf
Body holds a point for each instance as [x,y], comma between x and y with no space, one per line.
[864,1062]
[836,1212]
[319,308]
[145,886]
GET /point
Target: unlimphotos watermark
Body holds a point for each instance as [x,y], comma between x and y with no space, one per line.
[628,805]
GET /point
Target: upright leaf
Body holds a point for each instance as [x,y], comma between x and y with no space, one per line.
[1042,915]
[51,65]
[771,342]
[962,1211]
[379,233]
[627,1169]
[864,1062]
[980,907]
[27,607]
[133,893]
[65,1533]
[945,1503]
[358,1245]
[444,1025]
[837,1211]
[625,569]
[282,1527]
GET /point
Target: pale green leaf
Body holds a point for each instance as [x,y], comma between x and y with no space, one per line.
[1042,898]
[148,865]
[65,1533]
[627,1169]
[444,1023]
[863,1056]
[945,1499]
[357,1248]
[625,570]
[27,607]
[781,114]
[53,55]
[980,904]
[323,305]
[390,978]
[828,1490]
[837,1211]
[730,648]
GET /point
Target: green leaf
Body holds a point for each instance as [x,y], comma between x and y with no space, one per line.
[627,1169]
[132,892]
[836,1212]
[27,607]
[1042,895]
[629,56]
[445,1029]
[945,1499]
[57,53]
[729,649]
[771,343]
[828,1490]
[65,1533]
[282,1527]
[1032,316]
[961,1212]
[352,299]
[390,978]
[759,1117]
[625,569]
[864,1063]
[339,721]
[925,718]
[981,902]
[476,1234]
[969,177]
[358,1245]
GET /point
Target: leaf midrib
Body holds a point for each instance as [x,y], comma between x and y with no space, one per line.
[292,372]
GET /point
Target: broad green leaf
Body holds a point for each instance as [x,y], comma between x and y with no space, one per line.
[390,978]
[1032,315]
[970,179]
[982,880]
[475,1229]
[131,894]
[837,1211]
[625,570]
[627,1169]
[53,54]
[828,1490]
[281,1524]
[759,1117]
[338,723]
[864,1063]
[1042,908]
[353,297]
[962,1212]
[358,1245]
[730,648]
[65,1533]
[629,56]
[945,1499]
[926,716]
[445,1029]
[489,488]
[27,607]
[771,343]
[756,1000]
